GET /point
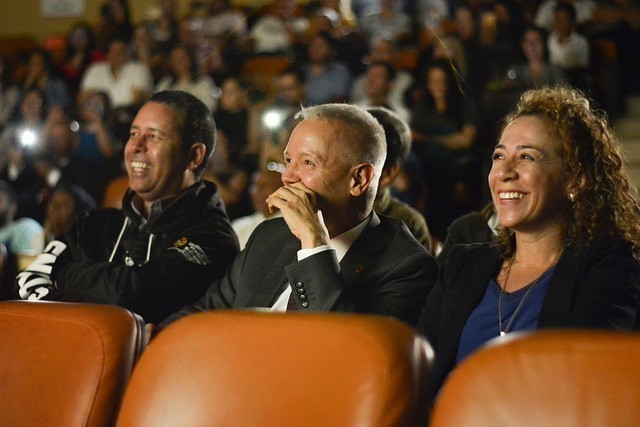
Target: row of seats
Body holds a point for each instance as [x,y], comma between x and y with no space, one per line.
[66,364]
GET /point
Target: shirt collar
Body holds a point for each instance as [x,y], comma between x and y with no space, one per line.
[343,242]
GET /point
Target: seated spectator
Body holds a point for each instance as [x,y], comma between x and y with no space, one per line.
[185,74]
[383,50]
[398,137]
[9,92]
[172,236]
[536,71]
[278,29]
[330,251]
[268,118]
[383,20]
[378,87]
[128,83]
[326,80]
[80,52]
[226,33]
[144,51]
[265,183]
[231,179]
[21,236]
[566,253]
[334,21]
[41,75]
[444,129]
[66,204]
[477,57]
[24,127]
[21,140]
[568,49]
[58,161]
[545,13]
[232,118]
[96,139]
[114,23]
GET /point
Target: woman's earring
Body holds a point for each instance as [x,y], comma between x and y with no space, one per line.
[572,197]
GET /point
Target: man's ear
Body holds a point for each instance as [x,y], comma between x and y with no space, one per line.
[362,176]
[196,155]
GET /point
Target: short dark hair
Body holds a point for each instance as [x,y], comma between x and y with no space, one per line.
[397,134]
[193,121]
[81,198]
[568,8]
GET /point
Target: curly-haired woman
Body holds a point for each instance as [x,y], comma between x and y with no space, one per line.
[566,254]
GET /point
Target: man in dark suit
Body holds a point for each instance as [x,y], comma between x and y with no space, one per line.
[330,251]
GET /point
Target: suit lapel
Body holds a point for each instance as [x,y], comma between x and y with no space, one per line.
[359,259]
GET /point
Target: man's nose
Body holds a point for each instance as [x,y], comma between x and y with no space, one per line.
[290,175]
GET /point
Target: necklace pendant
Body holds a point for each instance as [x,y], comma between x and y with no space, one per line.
[502,333]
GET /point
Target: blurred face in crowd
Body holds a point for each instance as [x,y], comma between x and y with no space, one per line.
[31,106]
[234,97]
[265,184]
[319,50]
[290,90]
[180,62]
[437,83]
[117,54]
[61,212]
[533,45]
[377,83]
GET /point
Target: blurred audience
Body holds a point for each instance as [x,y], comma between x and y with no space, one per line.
[266,181]
[65,206]
[128,83]
[80,52]
[22,236]
[326,79]
[398,137]
[184,74]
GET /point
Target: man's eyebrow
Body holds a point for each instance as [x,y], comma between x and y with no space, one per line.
[156,130]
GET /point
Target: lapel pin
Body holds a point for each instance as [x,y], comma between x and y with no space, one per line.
[359,268]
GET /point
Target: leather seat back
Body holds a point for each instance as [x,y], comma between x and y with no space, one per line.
[250,368]
[546,378]
[65,364]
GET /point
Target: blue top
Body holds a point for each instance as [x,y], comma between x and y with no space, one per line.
[482,324]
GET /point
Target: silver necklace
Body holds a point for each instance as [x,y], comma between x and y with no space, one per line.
[519,306]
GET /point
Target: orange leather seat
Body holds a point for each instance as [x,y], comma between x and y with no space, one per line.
[114,192]
[546,378]
[65,364]
[261,70]
[246,368]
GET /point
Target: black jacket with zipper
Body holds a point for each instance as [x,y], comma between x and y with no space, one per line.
[153,269]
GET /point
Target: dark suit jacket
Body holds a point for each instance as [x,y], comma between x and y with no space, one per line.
[386,271]
[595,288]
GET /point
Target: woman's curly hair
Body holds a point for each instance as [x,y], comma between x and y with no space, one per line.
[605,199]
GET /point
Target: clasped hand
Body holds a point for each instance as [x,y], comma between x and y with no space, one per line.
[299,207]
